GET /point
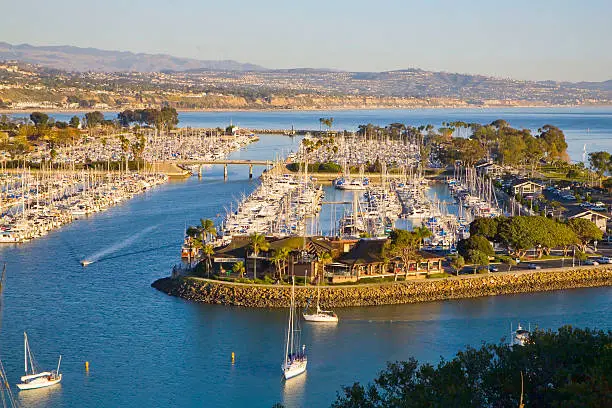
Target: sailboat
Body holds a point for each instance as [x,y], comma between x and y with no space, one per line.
[33,379]
[323,316]
[295,360]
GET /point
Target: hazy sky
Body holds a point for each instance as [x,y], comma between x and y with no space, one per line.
[536,39]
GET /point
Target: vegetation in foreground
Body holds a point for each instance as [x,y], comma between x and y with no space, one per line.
[568,368]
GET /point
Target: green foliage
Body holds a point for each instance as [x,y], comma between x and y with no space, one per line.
[93,119]
[600,162]
[585,230]
[74,122]
[487,227]
[508,260]
[475,245]
[40,119]
[457,263]
[404,245]
[568,368]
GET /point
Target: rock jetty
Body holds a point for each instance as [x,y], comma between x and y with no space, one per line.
[253,295]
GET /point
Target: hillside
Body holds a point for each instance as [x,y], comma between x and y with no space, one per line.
[77,59]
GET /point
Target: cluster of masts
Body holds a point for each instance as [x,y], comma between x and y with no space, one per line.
[475,194]
[280,206]
[33,204]
[148,145]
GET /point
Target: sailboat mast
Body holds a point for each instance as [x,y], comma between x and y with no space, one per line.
[25,352]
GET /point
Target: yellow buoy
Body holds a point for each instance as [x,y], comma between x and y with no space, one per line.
[233,357]
[87,366]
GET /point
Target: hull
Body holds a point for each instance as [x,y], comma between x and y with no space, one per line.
[321,318]
[351,187]
[39,383]
[294,369]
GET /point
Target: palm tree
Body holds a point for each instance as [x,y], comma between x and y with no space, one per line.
[279,259]
[258,243]
[207,228]
[208,251]
[422,232]
[239,268]
[324,259]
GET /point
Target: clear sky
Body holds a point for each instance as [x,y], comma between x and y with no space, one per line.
[535,39]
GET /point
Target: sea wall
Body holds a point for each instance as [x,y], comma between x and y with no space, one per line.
[251,295]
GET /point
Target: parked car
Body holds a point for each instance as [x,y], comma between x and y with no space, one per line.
[533,266]
[591,262]
[605,260]
[493,268]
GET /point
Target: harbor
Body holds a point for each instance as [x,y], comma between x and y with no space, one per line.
[127,320]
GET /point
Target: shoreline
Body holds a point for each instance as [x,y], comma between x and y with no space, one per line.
[313,109]
[203,290]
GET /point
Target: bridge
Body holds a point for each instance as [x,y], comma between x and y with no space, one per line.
[223,162]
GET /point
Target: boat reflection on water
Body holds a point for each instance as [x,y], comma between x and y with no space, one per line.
[293,390]
[41,397]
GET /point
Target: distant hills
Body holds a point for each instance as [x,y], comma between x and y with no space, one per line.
[78,59]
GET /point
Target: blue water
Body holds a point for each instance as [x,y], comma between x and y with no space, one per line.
[149,349]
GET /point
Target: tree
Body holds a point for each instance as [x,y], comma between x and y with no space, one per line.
[478,258]
[457,263]
[324,259]
[279,259]
[93,119]
[239,268]
[208,251]
[404,245]
[258,243]
[585,230]
[508,260]
[40,119]
[422,232]
[600,162]
[207,229]
[486,226]
[567,368]
[475,243]
[74,122]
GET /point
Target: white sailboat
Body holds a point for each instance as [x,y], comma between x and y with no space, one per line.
[32,378]
[322,316]
[295,360]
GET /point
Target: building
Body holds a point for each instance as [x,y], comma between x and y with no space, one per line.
[524,187]
[490,169]
[597,218]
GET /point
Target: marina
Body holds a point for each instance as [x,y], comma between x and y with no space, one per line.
[120,329]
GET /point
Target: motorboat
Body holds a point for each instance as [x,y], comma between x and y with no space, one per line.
[520,336]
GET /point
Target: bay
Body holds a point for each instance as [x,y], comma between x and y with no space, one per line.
[149,349]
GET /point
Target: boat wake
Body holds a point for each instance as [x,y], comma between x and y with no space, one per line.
[100,255]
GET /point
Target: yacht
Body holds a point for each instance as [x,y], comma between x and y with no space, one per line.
[520,336]
[295,360]
[32,378]
[322,316]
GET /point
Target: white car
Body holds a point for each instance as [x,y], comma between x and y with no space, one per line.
[604,260]
[591,262]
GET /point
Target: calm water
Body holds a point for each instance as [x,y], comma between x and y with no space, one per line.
[149,349]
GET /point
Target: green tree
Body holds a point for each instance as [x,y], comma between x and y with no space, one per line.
[585,230]
[323,260]
[279,259]
[40,119]
[457,263]
[475,243]
[600,162]
[478,258]
[93,119]
[238,268]
[485,226]
[508,260]
[258,243]
[74,122]
[207,252]
[207,229]
[567,368]
[404,245]
[422,232]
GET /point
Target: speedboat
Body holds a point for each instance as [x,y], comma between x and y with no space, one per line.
[85,262]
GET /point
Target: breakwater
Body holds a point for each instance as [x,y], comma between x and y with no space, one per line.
[253,295]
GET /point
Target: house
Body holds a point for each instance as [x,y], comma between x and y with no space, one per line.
[598,218]
[490,169]
[366,260]
[524,187]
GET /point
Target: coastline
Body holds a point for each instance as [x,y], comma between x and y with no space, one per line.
[467,286]
[316,109]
